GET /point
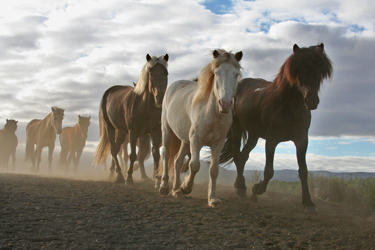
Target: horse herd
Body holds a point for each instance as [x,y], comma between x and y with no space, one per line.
[218,110]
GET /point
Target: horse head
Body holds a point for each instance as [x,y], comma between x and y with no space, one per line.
[308,67]
[84,123]
[11,125]
[58,116]
[226,75]
[158,78]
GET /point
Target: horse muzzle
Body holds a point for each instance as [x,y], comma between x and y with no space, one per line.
[225,106]
[58,131]
[311,102]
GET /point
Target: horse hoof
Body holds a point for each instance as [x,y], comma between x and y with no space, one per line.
[310,210]
[184,191]
[164,191]
[241,192]
[145,178]
[120,180]
[254,198]
[129,182]
[214,202]
[178,194]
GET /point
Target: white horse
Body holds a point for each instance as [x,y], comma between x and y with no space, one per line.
[197,114]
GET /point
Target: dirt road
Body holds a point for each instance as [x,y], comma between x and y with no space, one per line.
[38,212]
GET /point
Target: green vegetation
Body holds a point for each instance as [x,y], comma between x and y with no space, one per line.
[351,190]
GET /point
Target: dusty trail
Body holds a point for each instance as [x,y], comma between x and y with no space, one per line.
[39,212]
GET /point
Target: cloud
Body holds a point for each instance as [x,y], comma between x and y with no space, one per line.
[68,53]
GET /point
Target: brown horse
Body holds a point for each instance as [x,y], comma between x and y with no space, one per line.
[277,111]
[134,111]
[8,144]
[42,133]
[72,141]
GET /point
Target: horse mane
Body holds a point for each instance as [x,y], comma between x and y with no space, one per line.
[206,75]
[142,82]
[313,55]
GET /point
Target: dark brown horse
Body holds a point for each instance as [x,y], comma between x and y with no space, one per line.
[42,133]
[277,111]
[72,141]
[8,144]
[134,111]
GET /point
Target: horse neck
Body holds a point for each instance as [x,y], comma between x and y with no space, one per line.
[48,122]
[284,95]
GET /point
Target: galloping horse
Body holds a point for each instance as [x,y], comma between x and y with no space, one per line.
[197,114]
[134,111]
[278,111]
[8,144]
[42,133]
[73,140]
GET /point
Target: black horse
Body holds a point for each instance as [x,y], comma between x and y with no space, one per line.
[277,111]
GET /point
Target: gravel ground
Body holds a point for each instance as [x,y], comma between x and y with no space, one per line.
[40,212]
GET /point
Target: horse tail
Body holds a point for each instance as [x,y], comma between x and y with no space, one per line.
[103,148]
[174,147]
[29,150]
[227,153]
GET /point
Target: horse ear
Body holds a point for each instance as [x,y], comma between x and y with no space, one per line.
[16,121]
[321,46]
[166,57]
[148,57]
[53,109]
[7,120]
[89,117]
[295,48]
[79,116]
[238,56]
[215,54]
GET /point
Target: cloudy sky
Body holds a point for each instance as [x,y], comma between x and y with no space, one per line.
[67,53]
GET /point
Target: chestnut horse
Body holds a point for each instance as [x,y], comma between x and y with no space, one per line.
[42,133]
[8,144]
[135,111]
[198,114]
[72,141]
[278,111]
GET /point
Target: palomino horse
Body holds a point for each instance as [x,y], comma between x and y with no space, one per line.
[278,111]
[8,144]
[72,141]
[134,111]
[42,133]
[197,114]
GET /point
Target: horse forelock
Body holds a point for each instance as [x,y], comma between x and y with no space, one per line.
[142,82]
[316,59]
[206,74]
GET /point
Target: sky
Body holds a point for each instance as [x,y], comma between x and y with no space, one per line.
[67,53]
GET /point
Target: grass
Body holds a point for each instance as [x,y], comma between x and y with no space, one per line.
[340,190]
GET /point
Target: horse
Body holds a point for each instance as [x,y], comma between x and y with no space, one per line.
[135,111]
[8,144]
[42,133]
[196,114]
[72,141]
[277,111]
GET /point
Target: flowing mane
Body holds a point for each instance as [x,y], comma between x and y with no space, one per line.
[206,75]
[312,58]
[143,78]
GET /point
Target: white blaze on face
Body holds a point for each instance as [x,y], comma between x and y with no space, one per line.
[226,77]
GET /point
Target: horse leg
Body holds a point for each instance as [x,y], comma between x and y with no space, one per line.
[194,166]
[144,144]
[38,157]
[166,141]
[240,158]
[125,155]
[76,160]
[156,143]
[179,160]
[133,157]
[13,161]
[261,187]
[213,199]
[50,154]
[69,160]
[301,147]
[115,148]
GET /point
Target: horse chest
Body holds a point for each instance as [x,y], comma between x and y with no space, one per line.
[214,131]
